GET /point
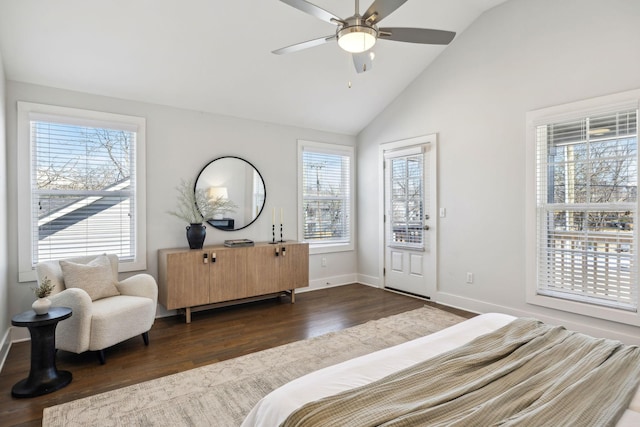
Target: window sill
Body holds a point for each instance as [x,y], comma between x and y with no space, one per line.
[598,312]
[325,249]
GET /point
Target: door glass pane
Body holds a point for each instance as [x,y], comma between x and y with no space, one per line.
[407,201]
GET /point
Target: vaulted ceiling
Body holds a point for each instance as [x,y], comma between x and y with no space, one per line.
[215,55]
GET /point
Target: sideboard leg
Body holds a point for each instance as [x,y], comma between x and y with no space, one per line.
[187,314]
[293,296]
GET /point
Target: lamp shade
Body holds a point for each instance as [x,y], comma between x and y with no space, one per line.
[215,193]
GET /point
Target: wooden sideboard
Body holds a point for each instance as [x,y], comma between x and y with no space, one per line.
[189,278]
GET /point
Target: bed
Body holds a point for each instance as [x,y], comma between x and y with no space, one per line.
[351,378]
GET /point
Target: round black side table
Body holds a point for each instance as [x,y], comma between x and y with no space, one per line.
[43,376]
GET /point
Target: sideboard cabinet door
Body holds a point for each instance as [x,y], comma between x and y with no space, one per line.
[262,270]
[228,274]
[294,268]
[184,279]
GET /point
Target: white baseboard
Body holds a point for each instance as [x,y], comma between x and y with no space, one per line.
[370,285]
[476,306]
[369,280]
[19,334]
[329,282]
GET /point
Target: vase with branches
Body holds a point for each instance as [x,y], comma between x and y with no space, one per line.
[195,207]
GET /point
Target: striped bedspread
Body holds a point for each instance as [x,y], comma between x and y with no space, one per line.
[526,373]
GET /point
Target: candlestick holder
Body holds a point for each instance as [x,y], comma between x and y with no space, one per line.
[281,239]
[273,234]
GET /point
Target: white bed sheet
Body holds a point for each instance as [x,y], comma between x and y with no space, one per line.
[274,408]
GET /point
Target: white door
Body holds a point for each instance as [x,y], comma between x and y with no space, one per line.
[410,219]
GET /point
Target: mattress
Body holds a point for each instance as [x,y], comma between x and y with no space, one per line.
[274,408]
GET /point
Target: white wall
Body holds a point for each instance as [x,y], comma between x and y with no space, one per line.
[179,144]
[519,56]
[4,273]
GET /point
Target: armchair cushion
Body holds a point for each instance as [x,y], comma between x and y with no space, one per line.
[119,318]
[94,277]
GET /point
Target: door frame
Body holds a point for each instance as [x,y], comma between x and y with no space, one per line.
[432,140]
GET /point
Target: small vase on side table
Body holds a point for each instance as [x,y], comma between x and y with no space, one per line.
[41,306]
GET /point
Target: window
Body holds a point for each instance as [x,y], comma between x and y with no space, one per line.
[587,206]
[405,171]
[325,189]
[81,186]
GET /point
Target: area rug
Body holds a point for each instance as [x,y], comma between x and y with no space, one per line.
[223,393]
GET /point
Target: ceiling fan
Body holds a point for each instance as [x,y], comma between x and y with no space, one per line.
[357,34]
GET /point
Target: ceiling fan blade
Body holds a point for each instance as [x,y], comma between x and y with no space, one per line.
[313,10]
[362,61]
[416,35]
[381,9]
[304,45]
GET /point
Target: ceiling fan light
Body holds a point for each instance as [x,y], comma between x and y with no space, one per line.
[356,39]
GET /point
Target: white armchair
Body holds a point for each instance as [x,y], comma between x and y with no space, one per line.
[97,325]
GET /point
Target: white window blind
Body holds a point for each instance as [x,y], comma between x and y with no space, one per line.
[326,195]
[82,188]
[587,205]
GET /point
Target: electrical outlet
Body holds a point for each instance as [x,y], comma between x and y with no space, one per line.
[443,212]
[469,278]
[323,262]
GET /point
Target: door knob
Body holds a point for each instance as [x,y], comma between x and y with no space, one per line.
[426,227]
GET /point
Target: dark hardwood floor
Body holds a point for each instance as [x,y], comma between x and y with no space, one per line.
[213,335]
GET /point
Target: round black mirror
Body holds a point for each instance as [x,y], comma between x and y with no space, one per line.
[237,187]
